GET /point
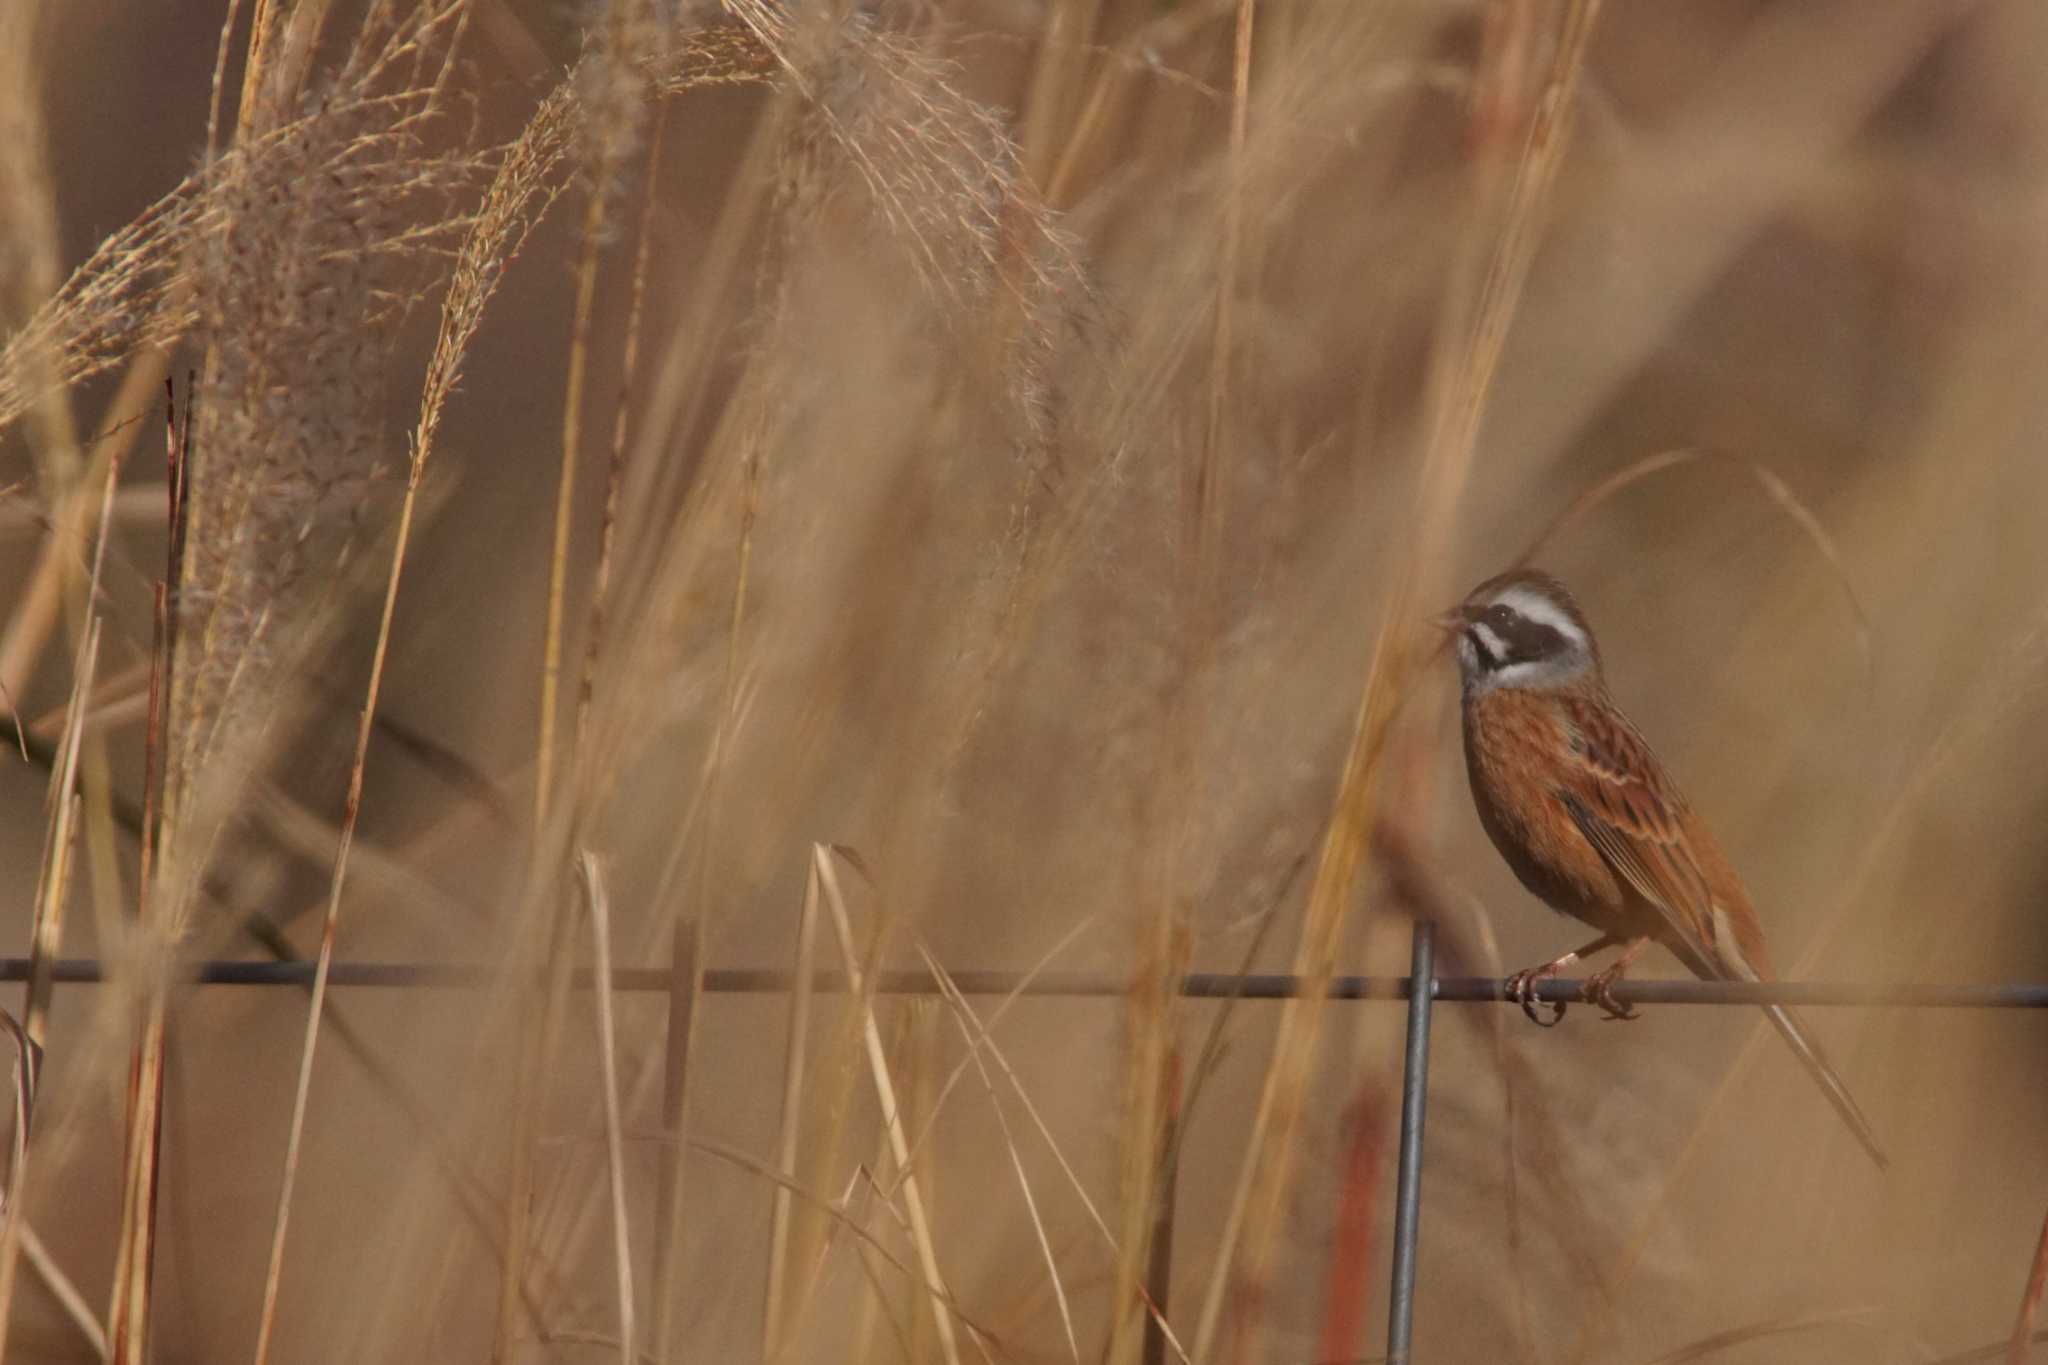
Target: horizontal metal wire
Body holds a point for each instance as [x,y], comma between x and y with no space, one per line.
[1196,985]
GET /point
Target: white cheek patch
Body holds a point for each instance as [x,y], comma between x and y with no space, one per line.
[1534,606]
[1495,649]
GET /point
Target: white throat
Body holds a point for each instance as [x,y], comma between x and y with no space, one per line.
[1535,673]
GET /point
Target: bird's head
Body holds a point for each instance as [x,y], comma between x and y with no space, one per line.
[1521,629]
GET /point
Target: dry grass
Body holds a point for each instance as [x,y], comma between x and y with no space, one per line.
[869,486]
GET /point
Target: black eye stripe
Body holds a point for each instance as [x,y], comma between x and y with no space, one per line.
[1527,640]
[1520,639]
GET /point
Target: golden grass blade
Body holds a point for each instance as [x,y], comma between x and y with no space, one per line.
[29,629]
[792,1115]
[599,906]
[63,1290]
[995,1017]
[981,1040]
[685,1002]
[615,473]
[612,105]
[127,1315]
[915,1064]
[220,74]
[1061,55]
[118,700]
[262,28]
[47,935]
[1774,487]
[1206,509]
[27,1066]
[955,1310]
[38,603]
[1735,1337]
[885,1096]
[962,1014]
[565,507]
[1977,1355]
[816,1261]
[876,1309]
[686,995]
[45,946]
[539,1043]
[2030,1301]
[1151,1004]
[128,1319]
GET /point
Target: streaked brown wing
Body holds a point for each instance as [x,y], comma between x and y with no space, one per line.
[1630,810]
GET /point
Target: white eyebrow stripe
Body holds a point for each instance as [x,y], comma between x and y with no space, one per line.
[1544,612]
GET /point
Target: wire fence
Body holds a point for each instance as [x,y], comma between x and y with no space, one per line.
[1194,985]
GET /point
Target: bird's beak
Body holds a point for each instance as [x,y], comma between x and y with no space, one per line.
[1452,621]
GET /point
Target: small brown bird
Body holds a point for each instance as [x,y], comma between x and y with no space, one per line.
[1589,819]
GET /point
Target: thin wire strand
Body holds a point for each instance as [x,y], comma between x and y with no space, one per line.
[1195,985]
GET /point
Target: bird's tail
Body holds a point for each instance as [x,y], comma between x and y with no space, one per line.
[1793,1030]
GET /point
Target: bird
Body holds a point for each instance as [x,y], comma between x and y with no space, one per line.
[1590,820]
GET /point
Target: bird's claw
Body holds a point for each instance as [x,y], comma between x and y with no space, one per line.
[1599,990]
[1521,988]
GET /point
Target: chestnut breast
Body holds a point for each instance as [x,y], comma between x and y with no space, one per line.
[1511,739]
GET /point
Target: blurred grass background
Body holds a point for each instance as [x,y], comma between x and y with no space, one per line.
[1036,430]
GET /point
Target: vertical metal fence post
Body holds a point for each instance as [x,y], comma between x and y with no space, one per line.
[1408,1185]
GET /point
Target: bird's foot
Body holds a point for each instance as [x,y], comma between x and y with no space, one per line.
[1521,988]
[1599,990]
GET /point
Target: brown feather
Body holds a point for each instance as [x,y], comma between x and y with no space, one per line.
[1627,805]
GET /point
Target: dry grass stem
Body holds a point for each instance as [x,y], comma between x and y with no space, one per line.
[1465,363]
[995,1016]
[685,1004]
[2030,1301]
[823,860]
[842,1221]
[980,1041]
[1775,488]
[965,1014]
[615,472]
[599,908]
[795,1049]
[46,944]
[64,1291]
